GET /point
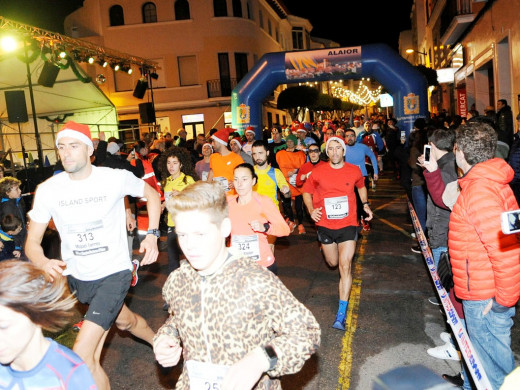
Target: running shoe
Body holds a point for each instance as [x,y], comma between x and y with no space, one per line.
[416,249]
[135,276]
[446,351]
[456,380]
[301,229]
[77,325]
[446,337]
[340,322]
[291,224]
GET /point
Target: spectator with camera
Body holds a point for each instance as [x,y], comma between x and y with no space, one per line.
[486,271]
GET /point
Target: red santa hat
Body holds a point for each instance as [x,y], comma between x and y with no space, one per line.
[250,129]
[301,127]
[222,136]
[237,140]
[77,131]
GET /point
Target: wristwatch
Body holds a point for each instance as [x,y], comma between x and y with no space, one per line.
[271,356]
[155,232]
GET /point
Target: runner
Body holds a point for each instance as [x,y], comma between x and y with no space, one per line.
[202,166]
[30,303]
[86,204]
[290,161]
[235,323]
[223,161]
[253,218]
[330,198]
[178,170]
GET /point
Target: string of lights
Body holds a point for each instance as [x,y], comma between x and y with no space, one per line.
[364,96]
[59,46]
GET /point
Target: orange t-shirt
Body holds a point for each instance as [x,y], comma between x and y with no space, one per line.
[288,161]
[223,167]
[262,209]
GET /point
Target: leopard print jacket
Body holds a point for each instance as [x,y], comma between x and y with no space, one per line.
[222,317]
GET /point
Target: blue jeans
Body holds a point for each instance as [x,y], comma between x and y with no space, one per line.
[490,335]
[419,204]
[436,253]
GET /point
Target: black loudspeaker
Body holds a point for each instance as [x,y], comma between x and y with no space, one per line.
[140,88]
[146,112]
[16,109]
[48,75]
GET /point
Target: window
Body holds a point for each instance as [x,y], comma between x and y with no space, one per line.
[249,13]
[237,8]
[182,10]
[149,13]
[225,77]
[297,38]
[261,19]
[269,28]
[240,65]
[116,15]
[277,36]
[220,8]
[188,70]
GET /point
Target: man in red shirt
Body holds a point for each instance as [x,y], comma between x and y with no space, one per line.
[330,198]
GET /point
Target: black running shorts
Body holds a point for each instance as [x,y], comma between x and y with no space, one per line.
[104,296]
[330,236]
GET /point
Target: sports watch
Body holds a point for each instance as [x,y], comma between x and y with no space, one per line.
[155,232]
[270,353]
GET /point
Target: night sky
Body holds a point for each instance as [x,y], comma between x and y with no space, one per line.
[353,23]
[350,23]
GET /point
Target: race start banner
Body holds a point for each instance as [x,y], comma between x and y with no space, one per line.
[466,347]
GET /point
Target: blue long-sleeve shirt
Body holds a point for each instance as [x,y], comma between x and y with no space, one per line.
[379,141]
[356,155]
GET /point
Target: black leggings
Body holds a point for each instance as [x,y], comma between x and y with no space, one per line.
[298,205]
[174,250]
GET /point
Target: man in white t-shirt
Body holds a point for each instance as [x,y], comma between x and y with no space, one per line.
[86,203]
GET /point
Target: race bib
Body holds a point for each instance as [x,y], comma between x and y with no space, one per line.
[205,376]
[223,182]
[86,238]
[292,179]
[204,175]
[247,245]
[336,208]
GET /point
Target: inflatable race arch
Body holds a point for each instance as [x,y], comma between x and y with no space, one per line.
[377,61]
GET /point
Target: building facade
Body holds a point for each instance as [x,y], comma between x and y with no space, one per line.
[203,48]
[475,48]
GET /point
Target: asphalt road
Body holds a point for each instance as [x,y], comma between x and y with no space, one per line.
[391,323]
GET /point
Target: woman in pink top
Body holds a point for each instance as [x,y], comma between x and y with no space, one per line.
[253,217]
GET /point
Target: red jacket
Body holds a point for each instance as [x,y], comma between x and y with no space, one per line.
[485,262]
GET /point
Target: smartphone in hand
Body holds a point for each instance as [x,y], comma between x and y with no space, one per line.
[427,153]
[510,221]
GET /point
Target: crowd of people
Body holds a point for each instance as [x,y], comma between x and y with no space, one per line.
[222,200]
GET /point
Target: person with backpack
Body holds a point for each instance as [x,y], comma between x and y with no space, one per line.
[270,181]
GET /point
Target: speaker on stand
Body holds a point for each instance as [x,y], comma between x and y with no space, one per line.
[17,113]
[146,112]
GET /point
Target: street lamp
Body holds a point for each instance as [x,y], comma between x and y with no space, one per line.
[410,51]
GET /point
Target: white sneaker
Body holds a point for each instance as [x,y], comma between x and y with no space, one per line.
[446,351]
[446,337]
[413,234]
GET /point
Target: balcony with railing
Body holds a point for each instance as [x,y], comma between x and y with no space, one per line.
[455,18]
[220,87]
